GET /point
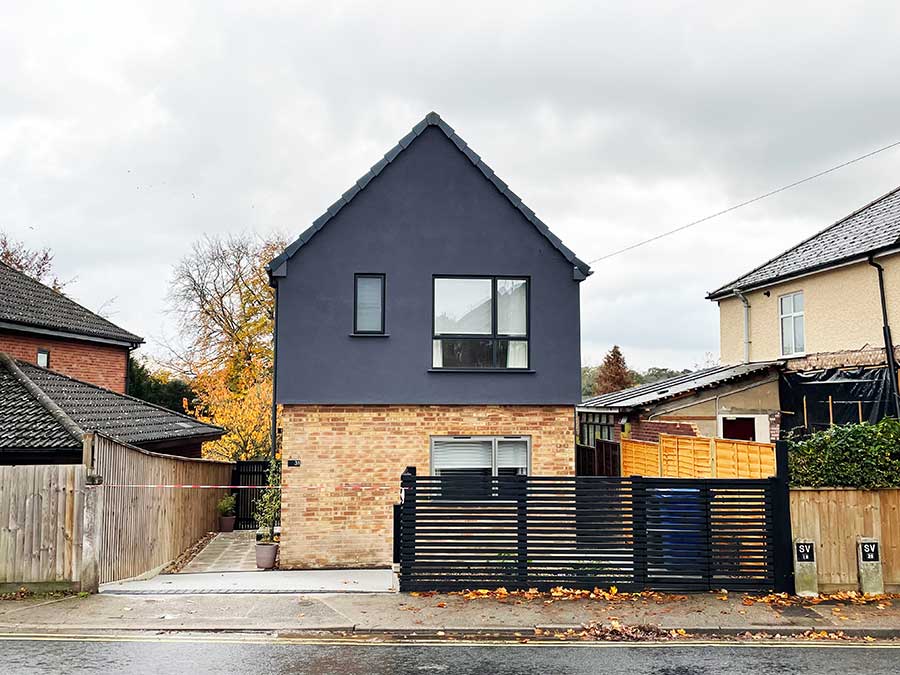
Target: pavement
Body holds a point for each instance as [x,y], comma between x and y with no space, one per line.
[398,613]
[284,582]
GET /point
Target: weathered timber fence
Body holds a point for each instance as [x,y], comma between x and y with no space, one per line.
[635,533]
[834,518]
[698,457]
[41,519]
[143,528]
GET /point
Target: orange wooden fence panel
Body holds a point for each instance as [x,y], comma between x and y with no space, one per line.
[744,459]
[697,457]
[639,458]
[686,456]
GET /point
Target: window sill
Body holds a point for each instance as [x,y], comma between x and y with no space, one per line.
[369,335]
[505,371]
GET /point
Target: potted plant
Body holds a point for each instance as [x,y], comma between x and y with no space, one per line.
[226,508]
[266,510]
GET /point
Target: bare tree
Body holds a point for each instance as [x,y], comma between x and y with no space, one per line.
[38,264]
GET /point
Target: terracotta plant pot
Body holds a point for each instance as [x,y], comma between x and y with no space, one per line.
[226,523]
[265,555]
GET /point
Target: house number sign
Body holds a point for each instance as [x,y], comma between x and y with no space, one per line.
[806,552]
[869,551]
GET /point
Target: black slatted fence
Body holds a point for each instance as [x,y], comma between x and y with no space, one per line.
[635,533]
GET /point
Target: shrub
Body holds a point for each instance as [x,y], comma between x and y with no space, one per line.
[853,455]
[267,508]
[227,505]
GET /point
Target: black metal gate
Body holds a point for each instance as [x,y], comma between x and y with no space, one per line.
[635,533]
[603,459]
[254,472]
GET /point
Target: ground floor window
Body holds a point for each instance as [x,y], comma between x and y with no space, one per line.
[593,427]
[480,455]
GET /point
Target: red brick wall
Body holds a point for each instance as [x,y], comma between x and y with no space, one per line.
[103,365]
[337,505]
[646,430]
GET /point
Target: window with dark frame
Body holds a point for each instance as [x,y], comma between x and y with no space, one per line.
[43,358]
[595,427]
[469,463]
[481,322]
[368,304]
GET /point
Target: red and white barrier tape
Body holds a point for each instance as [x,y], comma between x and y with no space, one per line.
[244,487]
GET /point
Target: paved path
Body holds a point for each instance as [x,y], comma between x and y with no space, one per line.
[227,552]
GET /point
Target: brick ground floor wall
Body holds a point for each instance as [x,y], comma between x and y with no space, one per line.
[337,506]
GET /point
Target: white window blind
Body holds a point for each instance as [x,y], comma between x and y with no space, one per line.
[484,455]
[368,304]
[512,455]
[462,454]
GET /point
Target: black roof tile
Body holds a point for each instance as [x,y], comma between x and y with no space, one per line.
[873,227]
[30,304]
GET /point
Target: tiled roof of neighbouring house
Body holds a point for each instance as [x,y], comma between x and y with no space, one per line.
[870,229]
[26,302]
[646,394]
[432,119]
[43,409]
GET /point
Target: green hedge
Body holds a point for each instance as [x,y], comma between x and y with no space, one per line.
[852,455]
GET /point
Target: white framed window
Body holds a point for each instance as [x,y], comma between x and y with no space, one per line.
[480,455]
[793,333]
[43,358]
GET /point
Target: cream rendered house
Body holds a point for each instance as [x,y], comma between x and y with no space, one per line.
[802,344]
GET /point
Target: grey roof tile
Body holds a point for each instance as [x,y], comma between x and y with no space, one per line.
[31,304]
[646,394]
[873,227]
[26,423]
[433,119]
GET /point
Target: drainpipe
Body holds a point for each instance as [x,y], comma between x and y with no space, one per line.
[888,340]
[275,370]
[746,304]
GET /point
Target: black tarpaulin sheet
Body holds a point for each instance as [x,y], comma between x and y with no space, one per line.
[838,396]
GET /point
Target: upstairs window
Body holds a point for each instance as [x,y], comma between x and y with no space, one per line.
[43,358]
[368,304]
[480,322]
[790,310]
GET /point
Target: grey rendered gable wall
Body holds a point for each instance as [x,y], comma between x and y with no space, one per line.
[429,211]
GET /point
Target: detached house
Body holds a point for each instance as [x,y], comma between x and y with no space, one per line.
[42,326]
[428,319]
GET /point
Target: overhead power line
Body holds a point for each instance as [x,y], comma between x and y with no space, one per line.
[744,203]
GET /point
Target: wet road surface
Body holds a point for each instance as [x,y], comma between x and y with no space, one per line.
[203,656]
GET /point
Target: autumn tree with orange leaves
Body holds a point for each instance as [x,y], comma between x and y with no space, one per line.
[225,308]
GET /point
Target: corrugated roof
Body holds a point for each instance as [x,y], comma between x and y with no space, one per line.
[26,422]
[874,227]
[655,392]
[432,119]
[28,302]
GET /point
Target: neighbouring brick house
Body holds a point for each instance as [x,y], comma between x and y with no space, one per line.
[44,416]
[427,319]
[44,327]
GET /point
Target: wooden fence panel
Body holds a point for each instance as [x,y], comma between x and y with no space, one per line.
[144,528]
[686,456]
[639,458]
[834,518]
[743,459]
[41,518]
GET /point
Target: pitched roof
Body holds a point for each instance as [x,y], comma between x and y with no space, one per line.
[645,394]
[872,228]
[28,303]
[43,409]
[432,119]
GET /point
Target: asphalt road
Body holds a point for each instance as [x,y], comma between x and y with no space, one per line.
[203,656]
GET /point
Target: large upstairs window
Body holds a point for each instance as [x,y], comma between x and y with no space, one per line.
[790,310]
[480,322]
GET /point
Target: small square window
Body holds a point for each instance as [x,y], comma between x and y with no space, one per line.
[43,358]
[368,304]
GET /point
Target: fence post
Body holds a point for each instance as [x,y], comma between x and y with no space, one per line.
[781,521]
[522,530]
[639,530]
[89,574]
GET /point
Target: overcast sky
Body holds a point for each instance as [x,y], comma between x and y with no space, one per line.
[125,134]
